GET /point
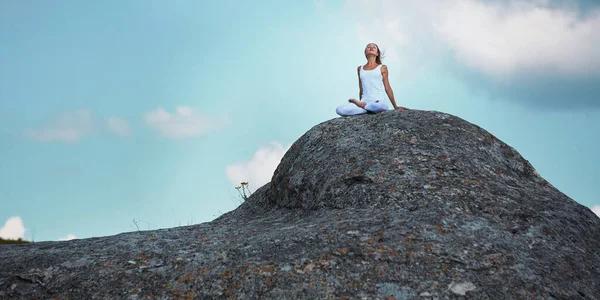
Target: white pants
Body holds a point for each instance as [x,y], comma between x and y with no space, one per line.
[351,109]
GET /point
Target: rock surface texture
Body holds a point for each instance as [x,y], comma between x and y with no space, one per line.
[397,205]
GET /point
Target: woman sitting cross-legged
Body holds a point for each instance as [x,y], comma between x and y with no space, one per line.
[373,86]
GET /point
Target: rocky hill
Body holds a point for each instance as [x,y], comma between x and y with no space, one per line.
[397,205]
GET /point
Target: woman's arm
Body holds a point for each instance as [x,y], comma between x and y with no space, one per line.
[388,88]
[359,84]
[360,91]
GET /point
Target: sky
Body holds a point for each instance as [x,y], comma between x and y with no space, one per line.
[118,116]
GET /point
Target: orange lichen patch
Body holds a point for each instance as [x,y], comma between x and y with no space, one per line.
[231,288]
[393,188]
[441,229]
[381,269]
[498,171]
[409,239]
[341,251]
[232,297]
[369,251]
[226,274]
[269,282]
[143,256]
[191,295]
[383,248]
[244,270]
[188,277]
[267,270]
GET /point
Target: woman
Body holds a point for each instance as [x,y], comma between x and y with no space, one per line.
[373,85]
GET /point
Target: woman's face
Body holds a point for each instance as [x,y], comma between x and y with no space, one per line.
[371,49]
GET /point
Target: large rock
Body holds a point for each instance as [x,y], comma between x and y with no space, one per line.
[398,205]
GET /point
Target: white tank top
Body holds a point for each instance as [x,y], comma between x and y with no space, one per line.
[372,84]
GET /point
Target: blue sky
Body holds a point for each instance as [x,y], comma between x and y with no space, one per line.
[112,111]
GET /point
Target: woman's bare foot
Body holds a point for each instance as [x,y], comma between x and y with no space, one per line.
[357,103]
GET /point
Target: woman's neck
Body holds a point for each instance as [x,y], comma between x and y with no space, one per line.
[371,61]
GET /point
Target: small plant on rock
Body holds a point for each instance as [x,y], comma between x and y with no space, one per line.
[244,190]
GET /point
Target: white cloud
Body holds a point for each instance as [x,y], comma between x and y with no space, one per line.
[504,38]
[118,126]
[521,37]
[186,122]
[13,229]
[69,237]
[259,170]
[67,127]
[596,210]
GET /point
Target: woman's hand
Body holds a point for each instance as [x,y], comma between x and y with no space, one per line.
[400,108]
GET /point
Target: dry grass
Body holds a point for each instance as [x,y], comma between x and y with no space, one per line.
[19,241]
